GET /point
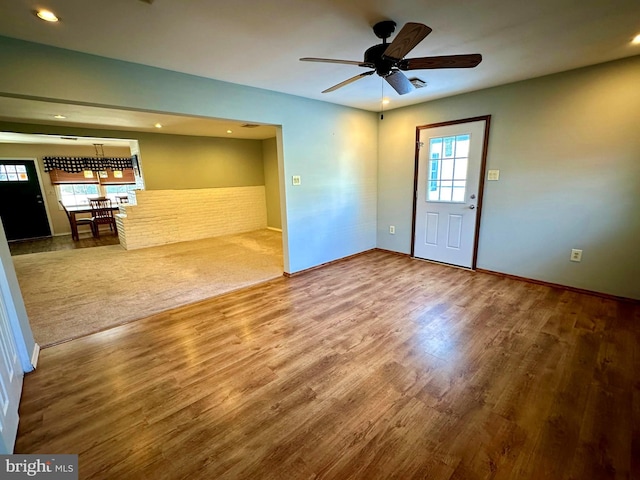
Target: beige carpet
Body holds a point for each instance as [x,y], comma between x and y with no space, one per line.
[72,293]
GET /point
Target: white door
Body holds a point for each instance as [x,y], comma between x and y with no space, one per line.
[450,164]
[11,376]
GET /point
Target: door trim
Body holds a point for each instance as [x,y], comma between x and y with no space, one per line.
[483,165]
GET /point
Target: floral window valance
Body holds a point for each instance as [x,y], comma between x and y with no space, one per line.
[79,164]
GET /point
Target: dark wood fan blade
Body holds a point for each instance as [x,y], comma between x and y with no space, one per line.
[399,82]
[348,81]
[344,62]
[410,35]
[445,61]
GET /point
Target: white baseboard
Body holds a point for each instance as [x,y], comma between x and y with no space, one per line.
[34,355]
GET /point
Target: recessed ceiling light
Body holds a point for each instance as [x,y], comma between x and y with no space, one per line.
[59,116]
[636,39]
[385,101]
[47,15]
[229,131]
[158,125]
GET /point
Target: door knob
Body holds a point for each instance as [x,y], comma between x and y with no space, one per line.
[472,207]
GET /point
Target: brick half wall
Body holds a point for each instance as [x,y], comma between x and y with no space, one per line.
[158,217]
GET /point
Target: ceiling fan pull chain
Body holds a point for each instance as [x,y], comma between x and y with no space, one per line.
[381,100]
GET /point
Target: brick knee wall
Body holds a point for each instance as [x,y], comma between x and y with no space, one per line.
[158,217]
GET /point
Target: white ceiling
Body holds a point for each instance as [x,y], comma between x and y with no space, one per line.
[259,42]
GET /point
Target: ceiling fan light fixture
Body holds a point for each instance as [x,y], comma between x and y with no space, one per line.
[46,15]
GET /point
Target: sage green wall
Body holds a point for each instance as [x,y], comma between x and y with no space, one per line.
[271,182]
[568,150]
[59,221]
[181,161]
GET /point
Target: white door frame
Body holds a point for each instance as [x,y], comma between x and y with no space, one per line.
[11,376]
[483,165]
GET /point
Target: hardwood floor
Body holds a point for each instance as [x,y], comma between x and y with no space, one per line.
[61,242]
[376,367]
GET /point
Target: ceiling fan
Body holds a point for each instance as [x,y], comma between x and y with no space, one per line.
[387,60]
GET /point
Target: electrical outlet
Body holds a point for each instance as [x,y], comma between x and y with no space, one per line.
[295,180]
[392,230]
[576,255]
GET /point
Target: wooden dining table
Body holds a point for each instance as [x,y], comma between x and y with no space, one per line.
[76,209]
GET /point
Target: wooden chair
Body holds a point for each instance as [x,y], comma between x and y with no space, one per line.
[74,222]
[102,213]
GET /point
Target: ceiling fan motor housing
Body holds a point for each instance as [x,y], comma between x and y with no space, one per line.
[374,57]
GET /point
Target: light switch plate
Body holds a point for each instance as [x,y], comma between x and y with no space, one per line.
[295,180]
[493,175]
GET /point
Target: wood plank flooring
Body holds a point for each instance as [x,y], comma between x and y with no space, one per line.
[375,367]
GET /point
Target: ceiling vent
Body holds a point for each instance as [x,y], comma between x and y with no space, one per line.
[249,125]
[416,82]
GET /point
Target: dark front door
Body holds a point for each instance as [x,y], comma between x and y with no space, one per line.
[21,203]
